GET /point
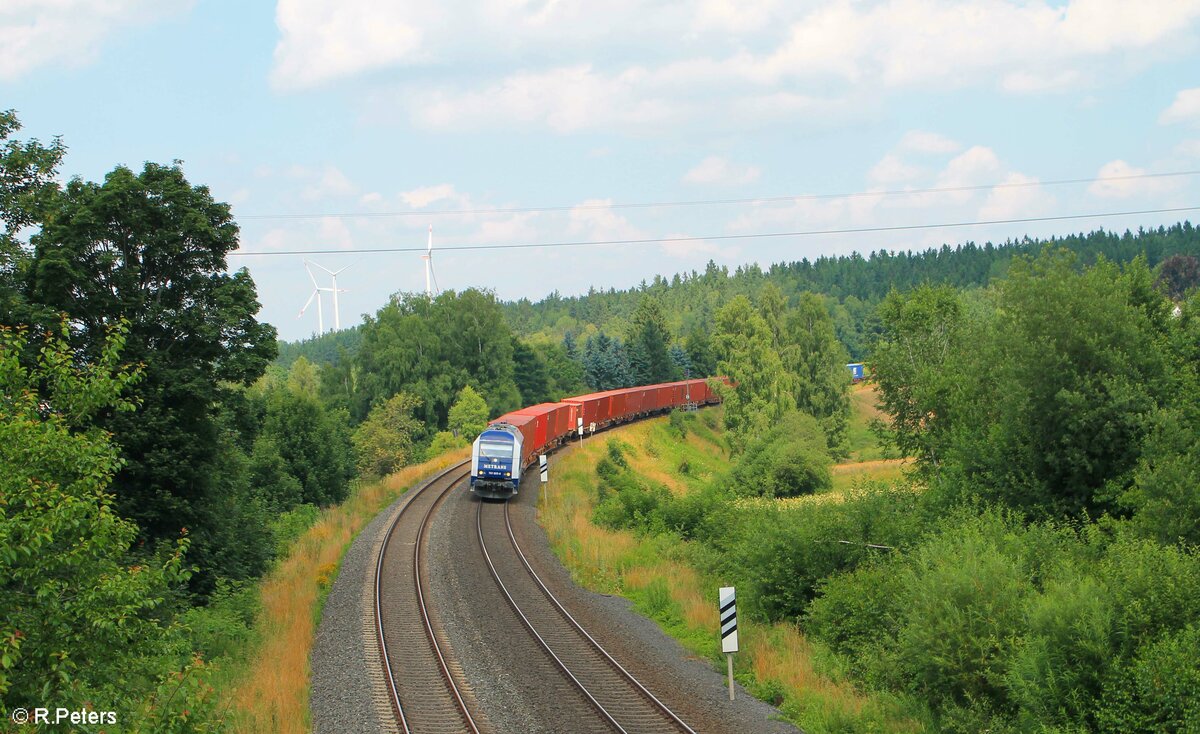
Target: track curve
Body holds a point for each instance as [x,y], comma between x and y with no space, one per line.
[619,700]
[425,695]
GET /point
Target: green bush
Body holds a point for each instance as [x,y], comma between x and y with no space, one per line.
[290,525]
[789,460]
[1158,691]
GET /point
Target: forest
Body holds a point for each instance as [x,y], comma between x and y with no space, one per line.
[161,450]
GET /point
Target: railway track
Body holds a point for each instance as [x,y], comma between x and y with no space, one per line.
[424,693]
[620,701]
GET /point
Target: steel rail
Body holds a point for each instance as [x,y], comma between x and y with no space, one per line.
[579,628]
[529,626]
[448,679]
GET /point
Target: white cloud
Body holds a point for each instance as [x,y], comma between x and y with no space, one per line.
[594,219]
[566,99]
[335,234]
[423,196]
[1120,185]
[573,67]
[1185,108]
[1189,149]
[891,170]
[717,170]
[1032,82]
[1017,196]
[36,33]
[329,183]
[947,42]
[321,41]
[920,141]
[691,250]
[734,16]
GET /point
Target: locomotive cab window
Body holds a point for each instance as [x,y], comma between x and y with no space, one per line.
[496,450]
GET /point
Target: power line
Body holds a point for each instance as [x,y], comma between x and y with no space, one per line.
[716,202]
[759,235]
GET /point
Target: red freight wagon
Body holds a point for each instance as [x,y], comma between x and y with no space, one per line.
[551,420]
[665,396]
[635,401]
[588,407]
[527,426]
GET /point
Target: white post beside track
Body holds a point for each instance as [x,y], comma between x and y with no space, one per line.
[729,635]
[544,467]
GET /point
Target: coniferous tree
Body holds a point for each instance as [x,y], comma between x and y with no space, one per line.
[647,343]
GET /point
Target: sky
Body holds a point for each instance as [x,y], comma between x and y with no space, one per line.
[357,124]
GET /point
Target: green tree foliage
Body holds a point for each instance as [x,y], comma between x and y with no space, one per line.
[442,442]
[385,441]
[817,360]
[1177,275]
[606,363]
[998,625]
[530,374]
[469,414]
[80,622]
[700,354]
[27,185]
[745,352]
[1061,384]
[854,284]
[304,377]
[565,375]
[915,367]
[312,440]
[647,342]
[1042,402]
[790,459]
[431,348]
[150,248]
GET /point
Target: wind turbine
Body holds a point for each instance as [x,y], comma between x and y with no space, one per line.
[428,258]
[337,322]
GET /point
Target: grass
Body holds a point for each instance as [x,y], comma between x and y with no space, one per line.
[845,476]
[777,663]
[861,441]
[268,690]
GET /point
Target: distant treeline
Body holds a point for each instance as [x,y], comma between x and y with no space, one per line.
[853,284]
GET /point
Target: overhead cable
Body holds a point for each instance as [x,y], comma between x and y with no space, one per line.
[716,202]
[711,238]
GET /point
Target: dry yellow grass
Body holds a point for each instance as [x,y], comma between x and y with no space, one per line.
[272,693]
[864,399]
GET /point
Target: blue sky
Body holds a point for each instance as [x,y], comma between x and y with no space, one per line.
[334,109]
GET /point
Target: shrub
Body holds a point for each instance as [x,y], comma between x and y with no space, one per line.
[789,460]
[1158,691]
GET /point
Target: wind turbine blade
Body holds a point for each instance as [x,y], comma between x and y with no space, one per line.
[307,303]
[310,275]
[324,268]
[337,272]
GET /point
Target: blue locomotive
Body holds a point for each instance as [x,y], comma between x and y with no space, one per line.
[496,462]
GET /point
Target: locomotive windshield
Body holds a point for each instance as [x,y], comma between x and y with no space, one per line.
[495,450]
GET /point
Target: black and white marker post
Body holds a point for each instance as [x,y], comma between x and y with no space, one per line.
[544,467]
[729,637]
[579,427]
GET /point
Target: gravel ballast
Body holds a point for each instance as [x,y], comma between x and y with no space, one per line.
[348,692]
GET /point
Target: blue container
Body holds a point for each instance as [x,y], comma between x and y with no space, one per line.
[856,371]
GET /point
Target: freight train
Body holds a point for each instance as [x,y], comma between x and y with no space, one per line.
[514,440]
